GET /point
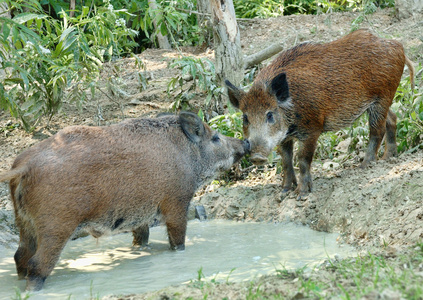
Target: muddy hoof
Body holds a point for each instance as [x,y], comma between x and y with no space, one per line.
[285,193]
[179,248]
[302,197]
[34,284]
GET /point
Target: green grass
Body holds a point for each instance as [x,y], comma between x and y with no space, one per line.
[370,275]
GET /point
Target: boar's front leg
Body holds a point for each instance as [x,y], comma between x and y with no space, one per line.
[305,157]
[175,215]
[286,150]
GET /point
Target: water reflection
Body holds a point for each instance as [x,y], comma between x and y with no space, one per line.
[223,249]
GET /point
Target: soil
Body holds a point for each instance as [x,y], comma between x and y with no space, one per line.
[376,208]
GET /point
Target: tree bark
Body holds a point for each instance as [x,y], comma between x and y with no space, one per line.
[162,40]
[228,54]
[72,6]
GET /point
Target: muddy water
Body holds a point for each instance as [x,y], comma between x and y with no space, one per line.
[225,250]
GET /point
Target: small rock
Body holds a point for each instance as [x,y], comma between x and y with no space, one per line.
[343,145]
[200,213]
[330,165]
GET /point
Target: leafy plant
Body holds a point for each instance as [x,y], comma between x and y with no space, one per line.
[229,124]
[200,73]
[274,8]
[258,9]
[408,105]
[45,57]
[172,19]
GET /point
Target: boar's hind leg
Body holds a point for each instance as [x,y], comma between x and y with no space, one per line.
[50,245]
[26,249]
[377,123]
[176,222]
[305,156]
[286,151]
[141,235]
[390,136]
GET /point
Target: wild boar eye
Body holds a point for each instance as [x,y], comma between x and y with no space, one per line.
[215,138]
[270,118]
[245,120]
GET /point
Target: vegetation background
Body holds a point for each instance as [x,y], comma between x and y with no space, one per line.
[51,54]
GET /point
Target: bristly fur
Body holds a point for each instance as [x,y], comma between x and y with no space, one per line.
[313,88]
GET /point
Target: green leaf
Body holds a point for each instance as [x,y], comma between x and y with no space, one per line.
[48,27]
[28,104]
[39,23]
[26,17]
[66,32]
[6,31]
[69,42]
[413,115]
[163,29]
[58,49]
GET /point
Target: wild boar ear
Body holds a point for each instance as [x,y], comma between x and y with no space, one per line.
[192,126]
[234,93]
[279,87]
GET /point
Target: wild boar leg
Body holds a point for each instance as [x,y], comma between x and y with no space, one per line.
[26,249]
[305,156]
[141,235]
[390,136]
[377,123]
[176,223]
[286,150]
[50,245]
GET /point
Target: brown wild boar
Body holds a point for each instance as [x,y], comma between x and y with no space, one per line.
[313,88]
[111,179]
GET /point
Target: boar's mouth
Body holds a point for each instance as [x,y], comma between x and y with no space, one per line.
[246,150]
[238,157]
[258,159]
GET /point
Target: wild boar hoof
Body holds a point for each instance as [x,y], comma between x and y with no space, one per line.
[141,247]
[285,193]
[179,247]
[302,197]
[34,283]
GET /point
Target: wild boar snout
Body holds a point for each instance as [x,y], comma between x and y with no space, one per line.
[258,159]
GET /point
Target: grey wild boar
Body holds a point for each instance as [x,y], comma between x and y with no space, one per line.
[314,88]
[111,179]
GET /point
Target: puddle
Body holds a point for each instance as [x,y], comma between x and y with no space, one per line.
[223,249]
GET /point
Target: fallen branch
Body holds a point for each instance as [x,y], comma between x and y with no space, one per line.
[209,15]
[262,55]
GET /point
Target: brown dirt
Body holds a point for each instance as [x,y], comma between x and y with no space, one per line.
[370,208]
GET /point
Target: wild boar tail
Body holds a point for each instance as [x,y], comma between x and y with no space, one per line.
[12,174]
[410,66]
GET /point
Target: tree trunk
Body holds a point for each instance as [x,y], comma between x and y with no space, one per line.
[161,39]
[5,13]
[228,54]
[72,6]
